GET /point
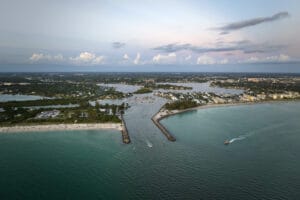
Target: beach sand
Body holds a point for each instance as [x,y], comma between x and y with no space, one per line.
[57,127]
[164,113]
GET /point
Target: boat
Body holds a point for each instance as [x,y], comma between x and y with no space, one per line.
[226,142]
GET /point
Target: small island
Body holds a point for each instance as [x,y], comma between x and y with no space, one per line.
[143,90]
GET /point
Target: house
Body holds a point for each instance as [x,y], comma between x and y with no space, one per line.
[48,114]
[102,110]
[84,115]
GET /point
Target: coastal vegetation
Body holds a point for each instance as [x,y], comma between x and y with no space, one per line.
[167,87]
[143,90]
[42,102]
[180,105]
[13,113]
[262,85]
[53,89]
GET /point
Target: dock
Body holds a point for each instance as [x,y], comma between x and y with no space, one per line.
[124,131]
[163,129]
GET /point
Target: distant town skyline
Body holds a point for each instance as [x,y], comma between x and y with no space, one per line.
[147,33]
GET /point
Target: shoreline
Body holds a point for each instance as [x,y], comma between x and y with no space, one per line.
[60,127]
[162,114]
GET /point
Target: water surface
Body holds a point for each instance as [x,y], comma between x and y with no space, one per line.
[96,165]
[18,97]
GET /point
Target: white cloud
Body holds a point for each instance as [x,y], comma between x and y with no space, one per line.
[58,57]
[98,60]
[188,57]
[205,60]
[126,57]
[169,58]
[224,61]
[87,58]
[276,58]
[252,59]
[137,58]
[36,57]
[280,58]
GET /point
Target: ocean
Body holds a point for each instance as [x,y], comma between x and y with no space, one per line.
[261,162]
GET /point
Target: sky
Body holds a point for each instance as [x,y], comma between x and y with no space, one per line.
[98,34]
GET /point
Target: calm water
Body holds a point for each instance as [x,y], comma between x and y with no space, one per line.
[18,97]
[261,163]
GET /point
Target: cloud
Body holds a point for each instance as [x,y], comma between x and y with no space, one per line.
[118,45]
[58,57]
[205,60]
[270,59]
[188,57]
[244,46]
[37,57]
[169,58]
[221,43]
[280,58]
[173,47]
[87,58]
[126,57]
[224,61]
[262,48]
[208,60]
[137,59]
[250,22]
[224,33]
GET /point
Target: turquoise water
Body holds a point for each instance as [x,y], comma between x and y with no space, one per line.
[263,163]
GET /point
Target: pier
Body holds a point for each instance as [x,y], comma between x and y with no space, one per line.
[124,131]
[164,130]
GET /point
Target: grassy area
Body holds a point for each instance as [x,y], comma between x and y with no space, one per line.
[143,90]
[180,105]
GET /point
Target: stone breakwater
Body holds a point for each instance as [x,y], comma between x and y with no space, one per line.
[124,131]
[156,120]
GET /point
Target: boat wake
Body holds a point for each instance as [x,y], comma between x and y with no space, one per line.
[241,137]
[267,128]
[149,144]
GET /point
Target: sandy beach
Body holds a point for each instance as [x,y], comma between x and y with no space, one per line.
[163,113]
[57,127]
